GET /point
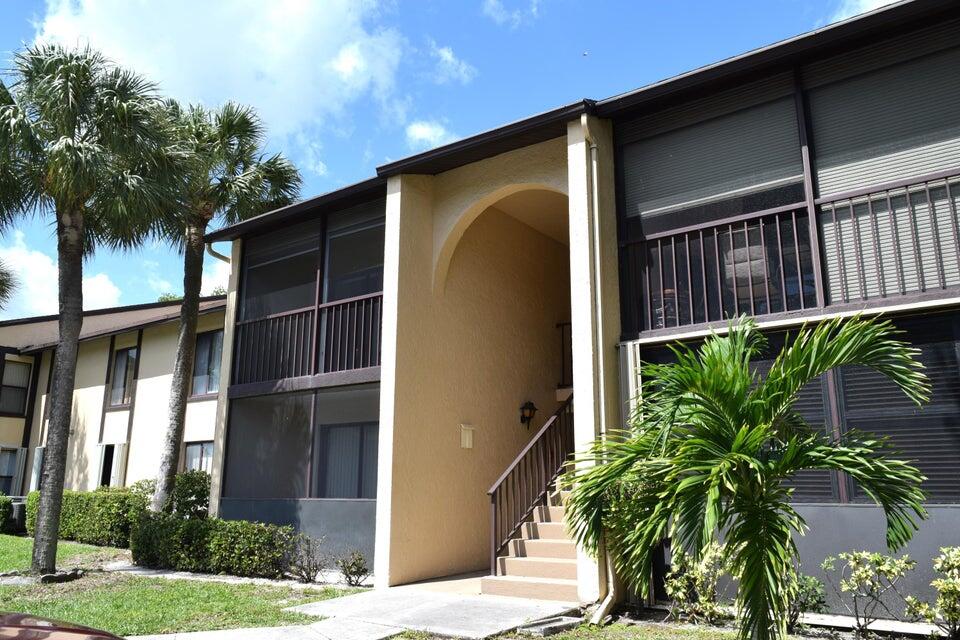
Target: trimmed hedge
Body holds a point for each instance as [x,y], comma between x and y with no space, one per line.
[6,514]
[211,545]
[103,517]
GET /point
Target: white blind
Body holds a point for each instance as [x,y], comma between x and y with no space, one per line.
[16,374]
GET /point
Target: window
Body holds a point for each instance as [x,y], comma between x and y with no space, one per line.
[121,379]
[198,456]
[354,254]
[320,444]
[113,464]
[8,471]
[281,271]
[106,465]
[348,461]
[206,364]
[13,392]
[268,447]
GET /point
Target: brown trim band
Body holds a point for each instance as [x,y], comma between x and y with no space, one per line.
[305,383]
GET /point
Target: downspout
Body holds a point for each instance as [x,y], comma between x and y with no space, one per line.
[610,596]
[216,254]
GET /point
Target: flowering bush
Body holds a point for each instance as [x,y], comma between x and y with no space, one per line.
[866,577]
[693,587]
[945,612]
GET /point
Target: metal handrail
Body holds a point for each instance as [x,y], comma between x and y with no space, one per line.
[529,476]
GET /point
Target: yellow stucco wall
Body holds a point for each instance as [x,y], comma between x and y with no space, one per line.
[474,340]
[83,454]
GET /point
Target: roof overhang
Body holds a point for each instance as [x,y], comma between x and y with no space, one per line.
[304,210]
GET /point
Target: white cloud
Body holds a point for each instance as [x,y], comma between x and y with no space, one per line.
[426,134]
[850,8]
[513,18]
[216,274]
[157,283]
[99,292]
[450,68]
[301,64]
[36,292]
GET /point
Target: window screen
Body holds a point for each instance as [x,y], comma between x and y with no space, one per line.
[13,391]
[281,271]
[206,364]
[121,379]
[354,254]
[268,447]
[347,430]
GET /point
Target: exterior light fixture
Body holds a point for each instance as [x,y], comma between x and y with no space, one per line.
[527,411]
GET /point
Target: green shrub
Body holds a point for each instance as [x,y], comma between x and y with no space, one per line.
[102,517]
[242,548]
[807,595]
[866,577]
[354,568]
[191,494]
[234,547]
[945,612]
[6,514]
[693,586]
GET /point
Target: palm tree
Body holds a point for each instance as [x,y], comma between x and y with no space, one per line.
[711,446]
[229,178]
[8,282]
[79,142]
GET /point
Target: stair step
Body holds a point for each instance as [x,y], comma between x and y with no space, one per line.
[548,514]
[538,567]
[543,548]
[535,588]
[545,531]
[558,498]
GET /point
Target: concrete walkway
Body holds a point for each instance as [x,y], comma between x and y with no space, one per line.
[451,607]
[327,578]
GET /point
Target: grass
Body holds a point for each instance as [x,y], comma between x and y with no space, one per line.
[128,605]
[15,553]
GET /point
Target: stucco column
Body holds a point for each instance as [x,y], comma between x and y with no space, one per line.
[226,364]
[407,260]
[594,299]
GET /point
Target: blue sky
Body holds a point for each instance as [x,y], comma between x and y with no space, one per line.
[346,85]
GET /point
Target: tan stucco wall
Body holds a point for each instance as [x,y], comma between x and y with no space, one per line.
[469,351]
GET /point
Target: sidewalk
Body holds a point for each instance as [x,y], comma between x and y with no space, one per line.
[451,607]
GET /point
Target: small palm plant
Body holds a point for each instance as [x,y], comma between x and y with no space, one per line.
[8,283]
[710,449]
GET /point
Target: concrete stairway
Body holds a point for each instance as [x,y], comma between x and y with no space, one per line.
[541,563]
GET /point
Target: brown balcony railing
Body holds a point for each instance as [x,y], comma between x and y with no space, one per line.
[345,335]
[351,333]
[894,239]
[751,265]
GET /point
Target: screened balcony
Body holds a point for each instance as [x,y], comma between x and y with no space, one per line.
[311,298]
[797,194]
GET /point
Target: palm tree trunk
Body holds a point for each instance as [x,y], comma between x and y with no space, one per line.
[183,368]
[70,277]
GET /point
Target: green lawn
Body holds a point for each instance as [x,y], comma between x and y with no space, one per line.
[128,605]
[15,553]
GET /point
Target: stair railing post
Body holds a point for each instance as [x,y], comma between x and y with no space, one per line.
[493,533]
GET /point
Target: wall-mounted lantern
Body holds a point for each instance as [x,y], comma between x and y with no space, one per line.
[527,411]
